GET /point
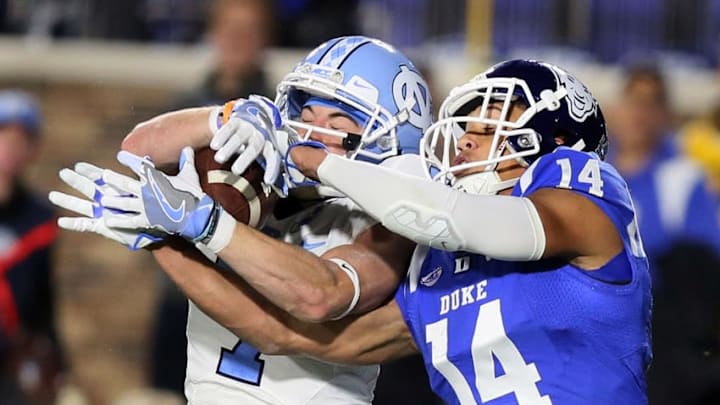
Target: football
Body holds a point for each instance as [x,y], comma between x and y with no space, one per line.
[244,197]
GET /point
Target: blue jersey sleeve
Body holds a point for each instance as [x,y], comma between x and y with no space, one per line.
[584,173]
[581,172]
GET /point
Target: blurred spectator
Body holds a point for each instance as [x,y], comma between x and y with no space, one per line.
[238,31]
[671,194]
[686,321]
[701,141]
[30,364]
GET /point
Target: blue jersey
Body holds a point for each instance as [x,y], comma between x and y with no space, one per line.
[543,332]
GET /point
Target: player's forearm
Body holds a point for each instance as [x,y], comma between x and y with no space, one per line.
[299,282]
[375,337]
[378,336]
[163,136]
[225,298]
[432,214]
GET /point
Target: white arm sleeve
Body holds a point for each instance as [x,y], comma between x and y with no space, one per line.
[429,213]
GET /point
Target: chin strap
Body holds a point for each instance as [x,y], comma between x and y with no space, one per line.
[483,183]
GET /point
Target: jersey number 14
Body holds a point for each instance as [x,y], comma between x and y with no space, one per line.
[489,341]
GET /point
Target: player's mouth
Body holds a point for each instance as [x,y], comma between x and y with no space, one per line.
[459,159]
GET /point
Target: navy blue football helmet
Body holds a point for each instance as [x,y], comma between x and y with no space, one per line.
[558,110]
[371,81]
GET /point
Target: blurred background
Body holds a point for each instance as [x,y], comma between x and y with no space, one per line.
[84,321]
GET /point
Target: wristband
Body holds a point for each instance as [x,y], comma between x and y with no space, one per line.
[220,231]
[352,274]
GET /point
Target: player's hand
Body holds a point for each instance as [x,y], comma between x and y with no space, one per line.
[155,201]
[87,180]
[255,131]
[302,161]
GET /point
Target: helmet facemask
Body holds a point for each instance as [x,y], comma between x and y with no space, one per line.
[379,125]
[485,103]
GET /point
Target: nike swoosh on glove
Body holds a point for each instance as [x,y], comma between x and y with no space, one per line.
[171,204]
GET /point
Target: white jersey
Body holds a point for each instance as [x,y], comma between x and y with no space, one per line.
[223,370]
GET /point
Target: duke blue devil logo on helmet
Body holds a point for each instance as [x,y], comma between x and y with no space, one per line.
[581,103]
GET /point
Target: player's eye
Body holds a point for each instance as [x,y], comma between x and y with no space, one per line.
[344,125]
[307,116]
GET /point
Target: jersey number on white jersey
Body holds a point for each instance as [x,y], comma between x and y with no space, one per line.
[242,363]
[489,341]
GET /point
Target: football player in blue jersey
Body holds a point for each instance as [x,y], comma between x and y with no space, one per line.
[531,286]
[535,288]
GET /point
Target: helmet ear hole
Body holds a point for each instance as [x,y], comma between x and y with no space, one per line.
[525,141]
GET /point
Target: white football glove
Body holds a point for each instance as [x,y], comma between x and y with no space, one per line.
[170,204]
[294,176]
[87,180]
[254,130]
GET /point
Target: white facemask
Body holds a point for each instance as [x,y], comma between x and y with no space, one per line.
[483,183]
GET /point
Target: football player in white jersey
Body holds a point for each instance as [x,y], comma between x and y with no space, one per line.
[318,259]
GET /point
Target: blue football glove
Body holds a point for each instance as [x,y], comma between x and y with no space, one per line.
[156,201]
[295,177]
[255,131]
[87,180]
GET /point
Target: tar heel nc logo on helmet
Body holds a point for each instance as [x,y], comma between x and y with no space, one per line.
[409,89]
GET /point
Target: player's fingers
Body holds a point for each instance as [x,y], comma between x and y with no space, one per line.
[88,170]
[187,157]
[121,182]
[124,221]
[78,224]
[224,134]
[133,161]
[125,204]
[72,203]
[229,149]
[233,146]
[79,182]
[246,158]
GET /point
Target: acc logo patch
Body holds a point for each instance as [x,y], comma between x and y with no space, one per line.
[431,278]
[408,89]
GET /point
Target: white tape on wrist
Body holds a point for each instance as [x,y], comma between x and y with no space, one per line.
[223,232]
[352,274]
